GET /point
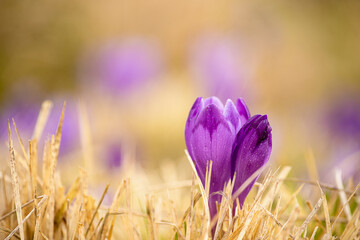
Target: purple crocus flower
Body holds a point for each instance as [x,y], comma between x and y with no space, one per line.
[231,139]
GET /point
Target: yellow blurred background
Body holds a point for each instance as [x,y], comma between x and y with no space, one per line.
[296,61]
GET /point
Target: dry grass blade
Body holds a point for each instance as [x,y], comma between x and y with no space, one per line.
[231,226]
[114,207]
[291,219]
[51,204]
[225,206]
[353,227]
[190,215]
[207,219]
[150,218]
[204,193]
[274,209]
[271,215]
[16,186]
[129,221]
[56,143]
[39,217]
[291,199]
[27,216]
[5,230]
[97,208]
[33,166]
[308,219]
[187,212]
[315,183]
[42,119]
[313,234]
[326,211]
[173,225]
[22,206]
[274,188]
[55,146]
[96,229]
[75,220]
[259,195]
[342,209]
[21,143]
[342,195]
[247,182]
[5,180]
[71,194]
[46,166]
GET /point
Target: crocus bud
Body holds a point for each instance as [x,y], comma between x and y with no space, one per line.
[210,133]
[227,136]
[251,151]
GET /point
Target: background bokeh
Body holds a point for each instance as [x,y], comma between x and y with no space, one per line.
[137,66]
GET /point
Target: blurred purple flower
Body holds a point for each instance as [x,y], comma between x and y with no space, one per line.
[122,66]
[113,155]
[25,116]
[70,134]
[343,126]
[219,66]
[232,140]
[344,120]
[24,98]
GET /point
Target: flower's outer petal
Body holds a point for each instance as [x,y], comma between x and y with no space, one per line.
[212,140]
[193,114]
[251,151]
[232,116]
[243,110]
[215,101]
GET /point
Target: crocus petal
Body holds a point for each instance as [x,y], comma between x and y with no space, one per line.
[194,112]
[243,110]
[216,101]
[251,151]
[232,116]
[212,140]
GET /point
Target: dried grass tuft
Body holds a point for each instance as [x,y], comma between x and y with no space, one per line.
[277,208]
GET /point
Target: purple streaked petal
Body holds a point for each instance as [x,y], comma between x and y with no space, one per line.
[214,100]
[210,118]
[216,146]
[212,140]
[194,112]
[232,116]
[209,139]
[252,150]
[243,110]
